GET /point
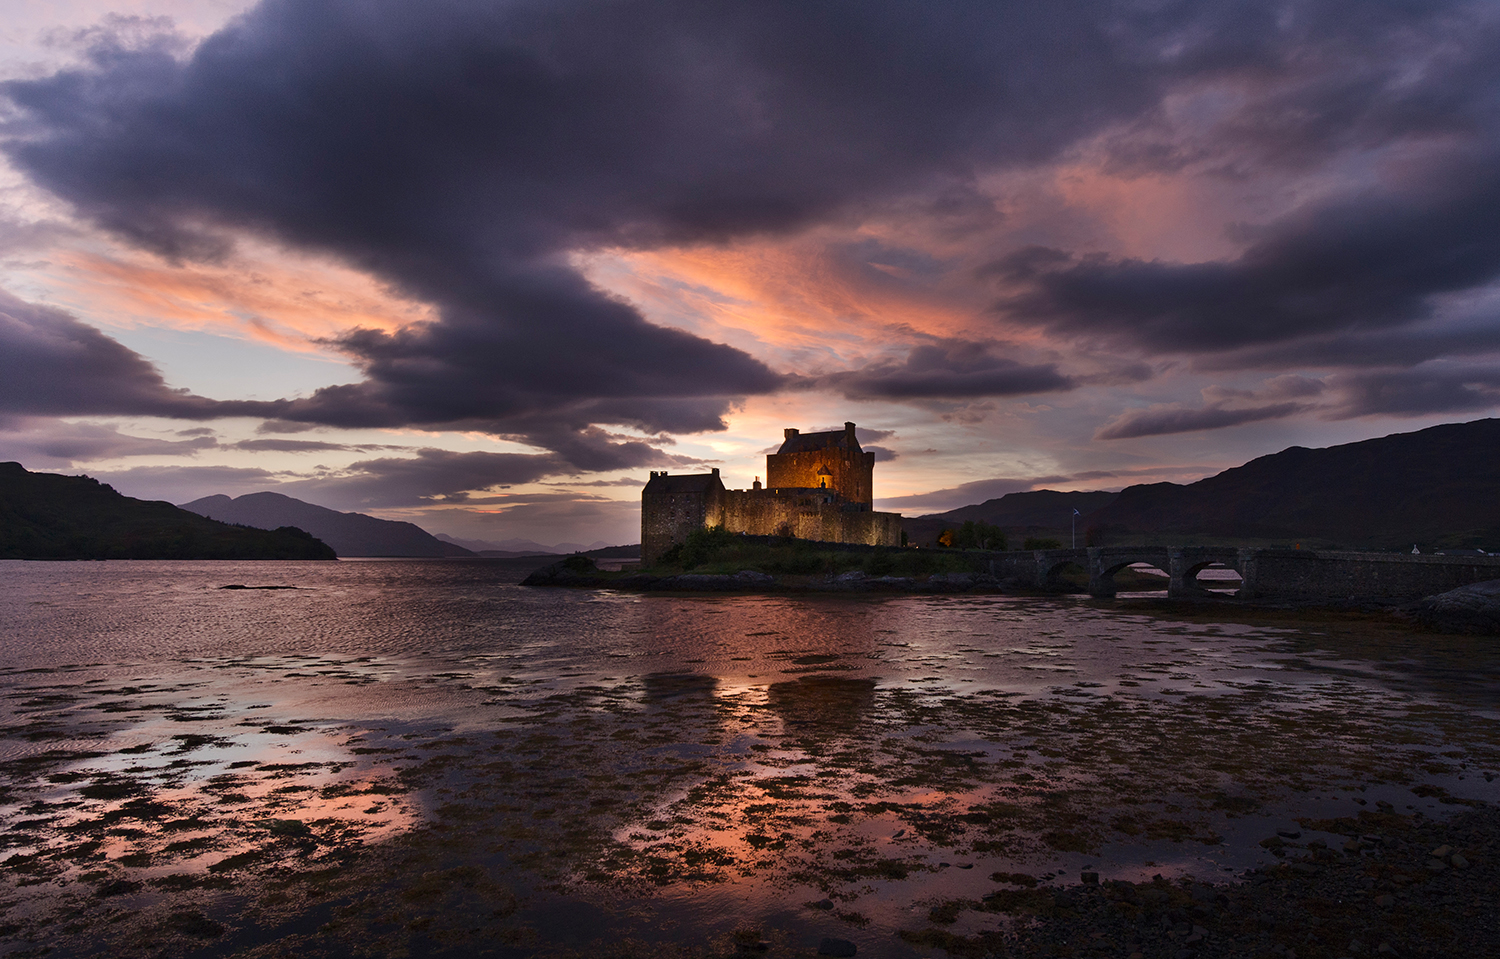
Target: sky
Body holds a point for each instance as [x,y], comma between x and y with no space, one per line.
[483,265]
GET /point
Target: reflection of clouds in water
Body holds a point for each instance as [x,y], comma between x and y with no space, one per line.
[756,743]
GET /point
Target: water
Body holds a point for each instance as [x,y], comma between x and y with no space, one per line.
[427,757]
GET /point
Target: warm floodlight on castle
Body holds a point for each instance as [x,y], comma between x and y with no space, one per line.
[819,486]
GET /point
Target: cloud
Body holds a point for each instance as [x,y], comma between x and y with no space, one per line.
[57,444]
[308,446]
[465,151]
[1418,392]
[951,369]
[1162,419]
[1370,261]
[53,365]
[471,155]
[183,484]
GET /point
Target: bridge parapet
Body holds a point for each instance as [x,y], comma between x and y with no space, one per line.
[1265,573]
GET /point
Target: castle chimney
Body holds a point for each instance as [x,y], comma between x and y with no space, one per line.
[849,428]
[790,433]
[716,471]
[756,484]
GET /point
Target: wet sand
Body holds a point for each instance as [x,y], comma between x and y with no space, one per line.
[658,775]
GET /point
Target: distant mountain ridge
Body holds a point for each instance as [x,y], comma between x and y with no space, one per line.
[1438,488]
[510,548]
[1042,512]
[350,534]
[49,516]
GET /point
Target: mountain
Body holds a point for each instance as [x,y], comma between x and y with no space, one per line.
[1042,512]
[47,516]
[350,534]
[1438,487]
[505,547]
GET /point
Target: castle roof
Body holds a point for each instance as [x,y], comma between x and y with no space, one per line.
[683,483]
[812,442]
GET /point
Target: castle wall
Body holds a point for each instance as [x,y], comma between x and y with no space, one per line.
[806,514]
[672,510]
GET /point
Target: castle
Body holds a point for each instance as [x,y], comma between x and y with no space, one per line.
[819,486]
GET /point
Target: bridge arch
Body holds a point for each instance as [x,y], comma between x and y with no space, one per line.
[1065,573]
[1220,584]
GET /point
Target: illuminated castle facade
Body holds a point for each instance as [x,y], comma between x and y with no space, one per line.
[819,486]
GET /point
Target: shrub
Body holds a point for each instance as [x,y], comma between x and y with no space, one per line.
[1037,542]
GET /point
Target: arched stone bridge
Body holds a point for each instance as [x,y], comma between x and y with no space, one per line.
[1264,573]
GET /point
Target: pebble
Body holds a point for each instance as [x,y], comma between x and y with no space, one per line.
[837,947]
[1458,861]
[1289,832]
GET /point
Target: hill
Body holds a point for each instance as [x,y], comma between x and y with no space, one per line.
[1042,512]
[1438,487]
[350,534]
[47,516]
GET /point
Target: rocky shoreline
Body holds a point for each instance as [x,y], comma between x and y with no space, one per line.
[561,574]
[1396,885]
[1470,610]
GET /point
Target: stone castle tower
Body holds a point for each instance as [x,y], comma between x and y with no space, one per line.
[819,486]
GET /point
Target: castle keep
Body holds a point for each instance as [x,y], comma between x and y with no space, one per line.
[819,486]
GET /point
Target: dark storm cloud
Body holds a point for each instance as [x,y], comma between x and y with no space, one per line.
[952,369]
[53,365]
[1160,421]
[1367,263]
[1418,391]
[462,149]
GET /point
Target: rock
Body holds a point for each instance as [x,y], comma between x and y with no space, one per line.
[1472,609]
[1090,878]
[1289,832]
[837,947]
[1436,865]
[824,904]
[1442,852]
[1386,949]
[854,579]
[1385,901]
[1458,861]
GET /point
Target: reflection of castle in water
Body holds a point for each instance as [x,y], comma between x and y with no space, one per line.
[662,687]
[823,704]
[819,486]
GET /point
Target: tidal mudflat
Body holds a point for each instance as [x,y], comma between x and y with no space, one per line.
[424,758]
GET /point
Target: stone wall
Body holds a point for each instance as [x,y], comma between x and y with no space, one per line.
[810,514]
[1310,574]
[674,506]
